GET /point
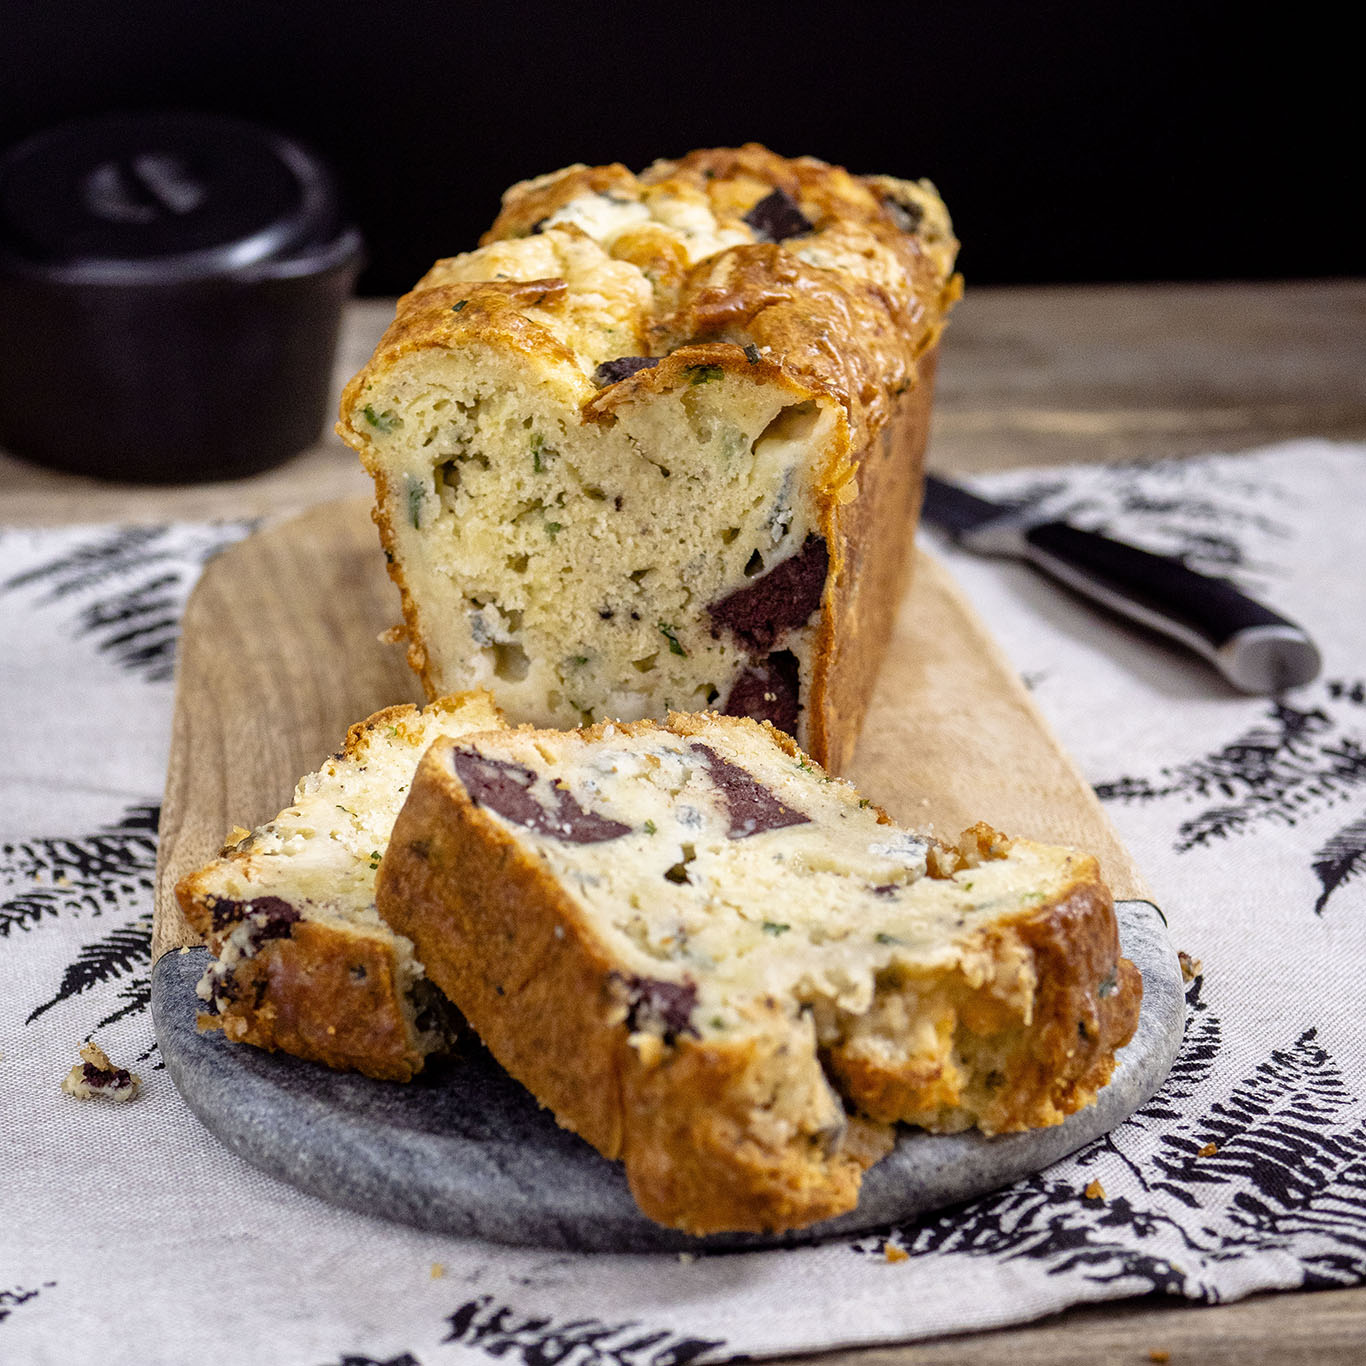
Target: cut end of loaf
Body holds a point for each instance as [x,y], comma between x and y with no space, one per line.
[614,447]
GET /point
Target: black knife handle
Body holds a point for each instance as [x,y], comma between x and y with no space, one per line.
[1257,649]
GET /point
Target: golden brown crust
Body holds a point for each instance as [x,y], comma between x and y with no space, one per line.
[503,942]
[526,203]
[875,533]
[324,996]
[995,1069]
[695,1161]
[1067,1052]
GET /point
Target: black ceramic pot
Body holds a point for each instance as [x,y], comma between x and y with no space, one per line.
[171,289]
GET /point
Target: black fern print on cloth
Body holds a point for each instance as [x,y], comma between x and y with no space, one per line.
[115,957]
[112,870]
[15,1296]
[1278,1164]
[403,1359]
[125,589]
[502,1331]
[1341,858]
[1295,763]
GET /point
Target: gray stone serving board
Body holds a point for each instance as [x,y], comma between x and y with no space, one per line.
[466,1150]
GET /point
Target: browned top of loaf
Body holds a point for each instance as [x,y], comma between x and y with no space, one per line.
[845,309]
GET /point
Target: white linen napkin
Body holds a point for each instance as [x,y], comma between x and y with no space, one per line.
[128,1234]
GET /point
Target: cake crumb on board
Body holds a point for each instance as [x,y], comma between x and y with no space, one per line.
[1095,1191]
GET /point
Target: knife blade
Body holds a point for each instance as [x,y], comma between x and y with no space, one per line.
[1256,649]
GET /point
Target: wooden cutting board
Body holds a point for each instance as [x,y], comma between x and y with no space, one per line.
[281,651]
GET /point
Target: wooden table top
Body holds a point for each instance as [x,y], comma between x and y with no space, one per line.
[1027,376]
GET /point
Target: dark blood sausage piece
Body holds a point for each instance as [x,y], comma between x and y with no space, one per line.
[505,787]
[105,1076]
[777,216]
[906,216]
[750,806]
[276,919]
[610,371]
[768,691]
[785,597]
[278,915]
[660,1007]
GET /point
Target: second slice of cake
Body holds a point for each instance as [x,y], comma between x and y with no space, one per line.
[728,969]
[301,960]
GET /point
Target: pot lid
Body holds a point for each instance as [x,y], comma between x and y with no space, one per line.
[160,197]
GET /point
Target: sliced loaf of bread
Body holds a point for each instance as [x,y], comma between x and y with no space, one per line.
[720,964]
[302,961]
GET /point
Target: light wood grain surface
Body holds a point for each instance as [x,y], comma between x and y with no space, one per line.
[1028,376]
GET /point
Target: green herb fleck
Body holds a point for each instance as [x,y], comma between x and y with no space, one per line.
[704,374]
[381,422]
[537,442]
[391,730]
[864,803]
[375,857]
[455,308]
[775,927]
[650,827]
[717,1022]
[553,529]
[416,493]
[805,767]
[580,660]
[883,938]
[752,354]
[670,633]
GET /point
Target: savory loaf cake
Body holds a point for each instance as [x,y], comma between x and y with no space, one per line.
[725,967]
[302,961]
[657,443]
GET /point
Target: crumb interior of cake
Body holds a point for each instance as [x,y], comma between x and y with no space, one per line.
[723,862]
[588,571]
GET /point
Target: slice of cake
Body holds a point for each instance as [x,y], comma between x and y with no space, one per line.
[718,963]
[302,961]
[657,443]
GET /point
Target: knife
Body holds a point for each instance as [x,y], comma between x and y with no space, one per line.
[1256,649]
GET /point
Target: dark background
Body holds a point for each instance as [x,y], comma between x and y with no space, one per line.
[1072,141]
